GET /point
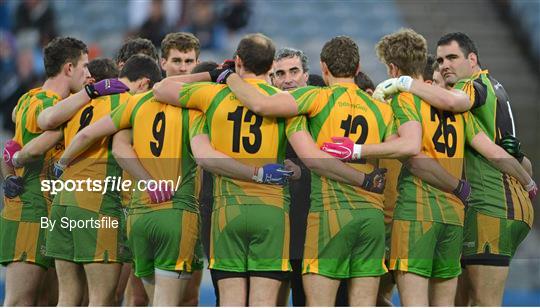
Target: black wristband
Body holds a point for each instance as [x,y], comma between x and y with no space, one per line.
[91,91]
[214,74]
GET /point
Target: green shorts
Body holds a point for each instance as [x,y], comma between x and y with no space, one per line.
[345,243]
[491,240]
[425,248]
[198,256]
[249,238]
[387,240]
[163,239]
[83,236]
[126,251]
[22,241]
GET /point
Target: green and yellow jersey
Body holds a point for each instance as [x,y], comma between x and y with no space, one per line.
[161,141]
[493,193]
[341,110]
[241,134]
[33,203]
[96,163]
[444,135]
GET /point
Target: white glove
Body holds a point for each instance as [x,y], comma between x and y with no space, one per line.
[391,86]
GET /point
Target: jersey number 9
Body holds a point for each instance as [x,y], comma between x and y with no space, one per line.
[158,130]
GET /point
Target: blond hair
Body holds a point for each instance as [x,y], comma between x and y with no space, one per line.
[406,49]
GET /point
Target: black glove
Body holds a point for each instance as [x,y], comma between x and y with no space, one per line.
[512,146]
[375,181]
[220,75]
[13,186]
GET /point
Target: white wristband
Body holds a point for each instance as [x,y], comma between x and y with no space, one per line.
[357,152]
[530,186]
[258,175]
[14,160]
[404,83]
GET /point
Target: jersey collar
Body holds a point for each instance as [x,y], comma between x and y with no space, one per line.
[255,81]
[480,73]
[348,85]
[49,93]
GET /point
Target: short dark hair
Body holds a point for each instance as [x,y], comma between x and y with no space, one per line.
[287,53]
[430,67]
[135,46]
[102,68]
[204,66]
[182,41]
[316,80]
[62,50]
[341,55]
[140,66]
[463,40]
[257,53]
[364,82]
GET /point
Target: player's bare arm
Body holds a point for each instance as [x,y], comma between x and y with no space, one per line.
[281,104]
[322,163]
[527,165]
[500,158]
[167,90]
[52,117]
[87,137]
[450,100]
[429,170]
[408,143]
[37,147]
[197,77]
[126,157]
[216,162]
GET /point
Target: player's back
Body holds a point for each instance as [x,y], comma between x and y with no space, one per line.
[96,163]
[32,203]
[343,110]
[444,135]
[241,134]
[494,193]
[161,141]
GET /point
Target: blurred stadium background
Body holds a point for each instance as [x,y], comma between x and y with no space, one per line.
[507,33]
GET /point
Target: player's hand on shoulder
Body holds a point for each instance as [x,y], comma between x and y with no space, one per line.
[105,87]
[392,86]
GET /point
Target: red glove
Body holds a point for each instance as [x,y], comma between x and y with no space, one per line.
[10,148]
[161,192]
[342,148]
